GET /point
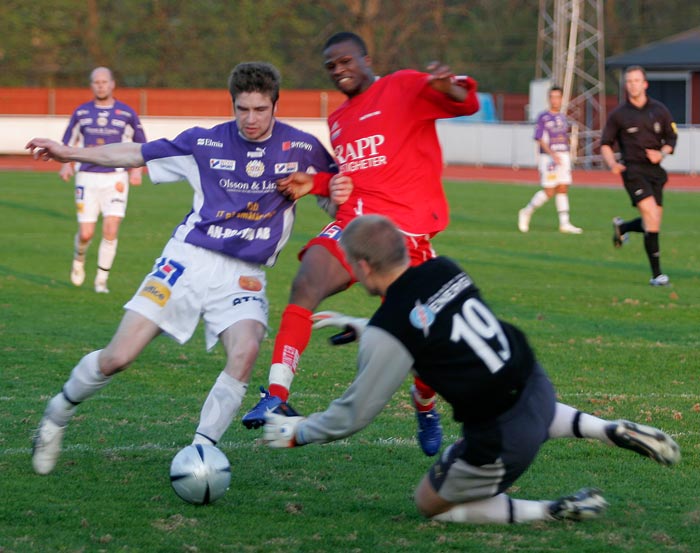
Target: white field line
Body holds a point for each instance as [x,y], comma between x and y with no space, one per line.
[255,444]
[381,442]
[224,446]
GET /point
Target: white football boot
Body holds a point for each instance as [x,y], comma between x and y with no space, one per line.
[77,273]
[524,220]
[661,280]
[645,440]
[101,281]
[585,504]
[568,228]
[101,287]
[47,445]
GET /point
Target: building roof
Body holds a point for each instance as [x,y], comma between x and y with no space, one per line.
[677,52]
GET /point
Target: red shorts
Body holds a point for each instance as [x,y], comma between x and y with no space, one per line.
[419,247]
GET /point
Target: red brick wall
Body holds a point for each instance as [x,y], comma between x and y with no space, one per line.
[217,103]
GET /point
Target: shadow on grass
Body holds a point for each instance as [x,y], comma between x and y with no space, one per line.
[33,278]
[34,210]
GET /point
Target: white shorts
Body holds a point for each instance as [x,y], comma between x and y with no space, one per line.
[551,174]
[105,193]
[189,282]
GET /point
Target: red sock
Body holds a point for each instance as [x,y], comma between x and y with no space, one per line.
[279,391]
[423,396]
[291,341]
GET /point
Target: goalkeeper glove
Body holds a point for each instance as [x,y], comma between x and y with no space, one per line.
[353,327]
[279,430]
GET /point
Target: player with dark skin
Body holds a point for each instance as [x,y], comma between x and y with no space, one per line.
[371,136]
[320,274]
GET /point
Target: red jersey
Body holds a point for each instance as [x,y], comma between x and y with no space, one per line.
[385,139]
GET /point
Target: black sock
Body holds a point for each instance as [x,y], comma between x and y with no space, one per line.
[651,245]
[635,225]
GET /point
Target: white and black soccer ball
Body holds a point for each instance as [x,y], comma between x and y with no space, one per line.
[200,474]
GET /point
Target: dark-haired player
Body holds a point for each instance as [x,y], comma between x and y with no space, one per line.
[213,266]
[554,165]
[384,138]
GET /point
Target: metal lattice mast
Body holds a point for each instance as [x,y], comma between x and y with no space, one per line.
[571,53]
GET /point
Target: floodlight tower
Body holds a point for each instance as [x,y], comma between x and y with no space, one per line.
[571,53]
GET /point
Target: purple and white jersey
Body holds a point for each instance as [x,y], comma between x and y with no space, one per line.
[236,209]
[97,125]
[553,128]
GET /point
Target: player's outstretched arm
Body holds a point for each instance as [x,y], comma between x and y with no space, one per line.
[443,80]
[122,154]
[45,149]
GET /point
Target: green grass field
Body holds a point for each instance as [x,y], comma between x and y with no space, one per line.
[612,344]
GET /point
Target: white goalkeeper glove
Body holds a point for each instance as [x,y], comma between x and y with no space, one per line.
[279,430]
[353,327]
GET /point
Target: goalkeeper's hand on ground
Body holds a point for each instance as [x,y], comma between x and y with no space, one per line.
[279,430]
[353,327]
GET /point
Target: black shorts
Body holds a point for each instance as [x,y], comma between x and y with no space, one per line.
[643,180]
[489,458]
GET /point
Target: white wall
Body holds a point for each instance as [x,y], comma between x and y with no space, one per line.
[487,144]
[512,145]
[16,130]
[502,144]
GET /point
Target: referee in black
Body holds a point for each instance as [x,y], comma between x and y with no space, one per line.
[645,132]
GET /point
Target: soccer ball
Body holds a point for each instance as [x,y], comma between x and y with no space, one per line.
[200,474]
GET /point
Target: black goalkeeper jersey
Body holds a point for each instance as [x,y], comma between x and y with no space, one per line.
[433,321]
[478,363]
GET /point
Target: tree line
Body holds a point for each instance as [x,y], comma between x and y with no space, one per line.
[195,43]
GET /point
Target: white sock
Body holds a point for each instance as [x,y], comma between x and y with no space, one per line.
[562,203]
[281,374]
[80,248]
[199,439]
[525,510]
[572,423]
[222,404]
[84,381]
[105,257]
[60,410]
[499,509]
[538,200]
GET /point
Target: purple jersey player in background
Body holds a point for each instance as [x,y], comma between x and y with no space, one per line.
[554,164]
[100,190]
[212,267]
